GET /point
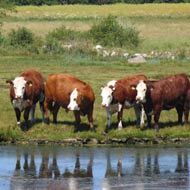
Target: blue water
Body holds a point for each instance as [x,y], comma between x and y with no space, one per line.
[75,168]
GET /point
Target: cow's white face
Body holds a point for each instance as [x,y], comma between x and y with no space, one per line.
[106,93]
[106,96]
[73,105]
[19,85]
[141,91]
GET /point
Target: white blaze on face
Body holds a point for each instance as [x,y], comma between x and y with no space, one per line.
[73,101]
[106,93]
[19,85]
[141,91]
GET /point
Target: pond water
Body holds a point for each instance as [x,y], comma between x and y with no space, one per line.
[96,168]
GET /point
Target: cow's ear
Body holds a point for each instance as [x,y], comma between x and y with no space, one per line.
[112,87]
[29,83]
[9,81]
[133,87]
[102,87]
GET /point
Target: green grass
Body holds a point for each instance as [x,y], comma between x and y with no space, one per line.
[96,74]
[162,27]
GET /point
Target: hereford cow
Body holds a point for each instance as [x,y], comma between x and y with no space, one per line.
[165,94]
[25,91]
[70,93]
[117,95]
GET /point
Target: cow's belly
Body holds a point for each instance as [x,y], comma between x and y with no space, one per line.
[113,108]
[128,104]
[20,104]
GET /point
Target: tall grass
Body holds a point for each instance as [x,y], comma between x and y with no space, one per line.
[104,10]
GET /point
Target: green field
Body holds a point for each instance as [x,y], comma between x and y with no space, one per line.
[161,27]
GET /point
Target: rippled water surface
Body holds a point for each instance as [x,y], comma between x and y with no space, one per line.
[74,168]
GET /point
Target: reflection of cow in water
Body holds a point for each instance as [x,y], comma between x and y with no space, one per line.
[78,171]
[49,173]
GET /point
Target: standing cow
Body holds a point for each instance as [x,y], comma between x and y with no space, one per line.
[70,93]
[120,94]
[165,94]
[25,91]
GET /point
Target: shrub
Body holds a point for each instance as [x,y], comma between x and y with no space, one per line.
[52,46]
[21,37]
[110,33]
[63,34]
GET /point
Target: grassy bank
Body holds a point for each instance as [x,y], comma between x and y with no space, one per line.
[161,28]
[96,74]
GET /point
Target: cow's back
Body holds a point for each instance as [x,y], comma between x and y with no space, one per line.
[170,88]
[59,87]
[124,88]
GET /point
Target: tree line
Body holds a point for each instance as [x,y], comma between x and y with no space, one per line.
[95,2]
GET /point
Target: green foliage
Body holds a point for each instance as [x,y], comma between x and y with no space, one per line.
[110,33]
[63,34]
[21,37]
[52,46]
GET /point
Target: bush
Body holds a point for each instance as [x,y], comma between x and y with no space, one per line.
[21,37]
[109,33]
[52,46]
[63,34]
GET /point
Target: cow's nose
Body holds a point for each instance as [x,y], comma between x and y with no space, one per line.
[18,97]
[138,99]
[104,105]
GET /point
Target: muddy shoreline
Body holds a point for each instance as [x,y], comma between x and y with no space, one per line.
[105,142]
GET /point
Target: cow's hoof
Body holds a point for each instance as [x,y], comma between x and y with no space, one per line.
[120,128]
[93,130]
[46,121]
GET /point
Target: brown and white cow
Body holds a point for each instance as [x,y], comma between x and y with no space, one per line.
[120,94]
[25,91]
[165,94]
[70,93]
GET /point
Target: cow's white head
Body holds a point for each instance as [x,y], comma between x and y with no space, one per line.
[141,91]
[107,93]
[19,86]
[73,105]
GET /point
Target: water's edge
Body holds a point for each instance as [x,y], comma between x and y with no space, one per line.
[108,141]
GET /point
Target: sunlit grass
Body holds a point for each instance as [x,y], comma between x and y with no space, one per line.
[104,10]
[96,75]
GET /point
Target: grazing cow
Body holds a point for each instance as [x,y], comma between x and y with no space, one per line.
[165,94]
[70,93]
[25,91]
[117,95]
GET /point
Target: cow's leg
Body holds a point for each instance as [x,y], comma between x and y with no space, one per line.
[179,109]
[47,104]
[157,111]
[186,112]
[139,112]
[55,111]
[77,120]
[26,116]
[149,119]
[90,120]
[108,124]
[18,114]
[119,117]
[32,111]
